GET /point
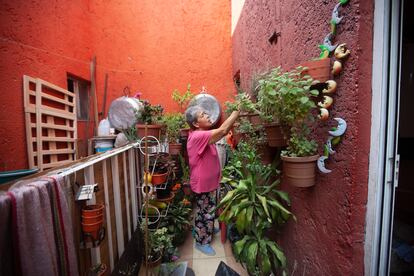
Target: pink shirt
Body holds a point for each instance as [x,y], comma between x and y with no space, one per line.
[205,171]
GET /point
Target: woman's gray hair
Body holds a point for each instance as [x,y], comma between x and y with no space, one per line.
[191,115]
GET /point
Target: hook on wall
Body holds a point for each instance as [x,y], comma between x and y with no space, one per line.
[273,38]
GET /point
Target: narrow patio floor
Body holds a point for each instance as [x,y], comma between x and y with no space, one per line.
[204,265]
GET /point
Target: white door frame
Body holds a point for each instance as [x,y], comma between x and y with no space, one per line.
[384,127]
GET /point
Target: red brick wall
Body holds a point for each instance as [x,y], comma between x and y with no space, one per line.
[150,46]
[328,237]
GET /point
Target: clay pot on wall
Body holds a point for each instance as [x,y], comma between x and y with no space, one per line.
[152,130]
[318,69]
[184,133]
[174,149]
[275,136]
[92,220]
[299,171]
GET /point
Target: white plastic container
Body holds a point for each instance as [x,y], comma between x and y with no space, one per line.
[104,128]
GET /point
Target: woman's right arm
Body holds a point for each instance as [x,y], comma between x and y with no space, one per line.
[217,134]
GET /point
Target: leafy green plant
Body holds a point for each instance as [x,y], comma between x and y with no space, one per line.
[286,97]
[159,241]
[254,205]
[182,99]
[173,122]
[262,254]
[241,102]
[178,222]
[150,114]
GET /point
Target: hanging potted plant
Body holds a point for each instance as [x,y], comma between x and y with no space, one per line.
[173,123]
[182,100]
[294,95]
[270,107]
[150,118]
[318,69]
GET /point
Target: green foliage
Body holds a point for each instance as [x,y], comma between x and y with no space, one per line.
[184,99]
[151,114]
[299,145]
[255,204]
[159,241]
[173,122]
[287,97]
[262,254]
[185,169]
[241,102]
[178,221]
[131,133]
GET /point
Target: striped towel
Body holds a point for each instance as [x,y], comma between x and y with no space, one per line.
[43,229]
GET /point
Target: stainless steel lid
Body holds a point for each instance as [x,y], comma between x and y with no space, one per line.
[210,104]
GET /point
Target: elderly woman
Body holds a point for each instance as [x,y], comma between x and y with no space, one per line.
[205,170]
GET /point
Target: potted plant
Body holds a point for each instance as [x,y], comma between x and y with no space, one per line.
[269,106]
[178,221]
[158,243]
[150,117]
[254,205]
[97,270]
[294,95]
[182,100]
[318,69]
[173,123]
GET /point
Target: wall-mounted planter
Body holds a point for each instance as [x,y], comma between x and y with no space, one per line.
[93,210]
[152,130]
[93,229]
[184,133]
[275,136]
[299,171]
[174,149]
[318,69]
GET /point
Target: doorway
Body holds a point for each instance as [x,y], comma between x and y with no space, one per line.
[402,239]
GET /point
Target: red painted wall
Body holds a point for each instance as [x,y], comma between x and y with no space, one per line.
[328,237]
[150,46]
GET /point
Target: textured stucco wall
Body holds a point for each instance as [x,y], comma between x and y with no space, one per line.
[328,237]
[150,46]
[41,39]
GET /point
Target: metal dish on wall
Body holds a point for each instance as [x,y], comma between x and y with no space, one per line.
[122,112]
[210,104]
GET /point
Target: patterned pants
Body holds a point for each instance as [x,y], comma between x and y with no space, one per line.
[204,219]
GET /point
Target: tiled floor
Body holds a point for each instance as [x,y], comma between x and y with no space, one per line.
[204,265]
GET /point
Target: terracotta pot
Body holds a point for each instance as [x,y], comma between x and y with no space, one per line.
[92,210]
[166,199]
[299,171]
[152,130]
[275,136]
[174,149]
[267,153]
[255,119]
[159,178]
[92,219]
[318,69]
[184,132]
[92,228]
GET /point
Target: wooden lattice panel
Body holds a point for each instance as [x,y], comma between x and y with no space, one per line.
[50,113]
